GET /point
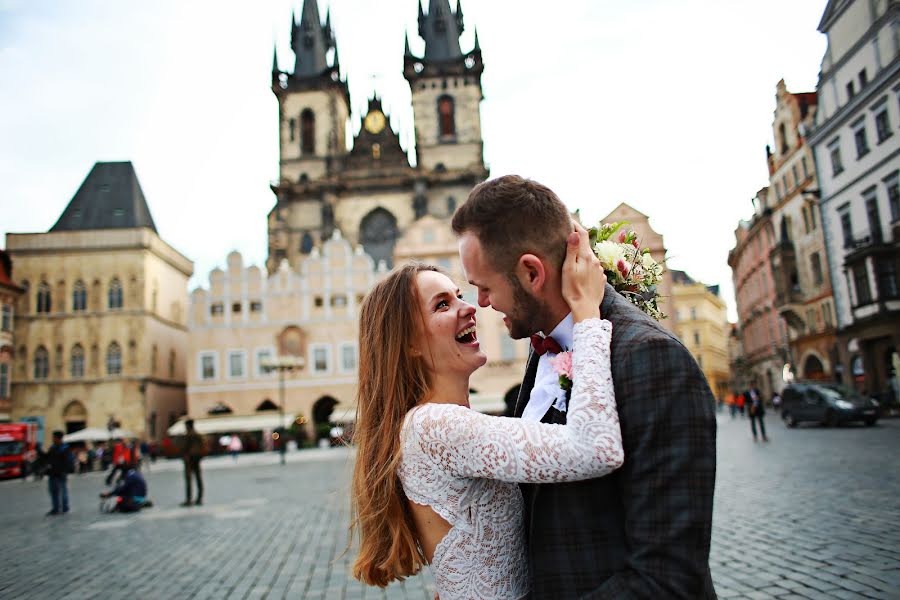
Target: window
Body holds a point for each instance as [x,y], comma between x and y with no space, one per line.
[339,301]
[76,367]
[784,182]
[292,129]
[697,338]
[863,79]
[873,215]
[263,356]
[806,219]
[115,294]
[451,205]
[883,125]
[446,118]
[851,91]
[693,313]
[207,366]
[79,297]
[255,306]
[236,363]
[846,227]
[812,216]
[834,151]
[43,298]
[782,135]
[811,320]
[826,314]
[217,309]
[859,137]
[4,380]
[893,193]
[236,307]
[6,318]
[778,190]
[320,359]
[113,359]
[348,357]
[816,264]
[805,168]
[861,282]
[319,301]
[795,174]
[307,132]
[41,363]
[886,271]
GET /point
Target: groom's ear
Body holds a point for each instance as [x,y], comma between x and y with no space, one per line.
[532,272]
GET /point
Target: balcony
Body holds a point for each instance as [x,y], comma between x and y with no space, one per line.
[784,274]
[870,243]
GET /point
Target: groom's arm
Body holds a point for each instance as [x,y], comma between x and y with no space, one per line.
[668,429]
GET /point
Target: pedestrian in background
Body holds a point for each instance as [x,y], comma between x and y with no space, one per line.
[60,463]
[192,452]
[742,401]
[234,446]
[732,405]
[757,410]
[776,402]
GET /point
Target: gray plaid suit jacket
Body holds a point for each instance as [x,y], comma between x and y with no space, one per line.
[644,530]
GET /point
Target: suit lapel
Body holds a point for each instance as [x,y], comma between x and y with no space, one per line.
[527,383]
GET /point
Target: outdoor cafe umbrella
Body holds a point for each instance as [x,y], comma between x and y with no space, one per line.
[94,434]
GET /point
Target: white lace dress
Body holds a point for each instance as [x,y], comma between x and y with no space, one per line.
[465,466]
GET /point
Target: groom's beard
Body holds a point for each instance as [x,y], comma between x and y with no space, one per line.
[528,314]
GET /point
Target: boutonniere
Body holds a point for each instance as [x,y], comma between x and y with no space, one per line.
[562,366]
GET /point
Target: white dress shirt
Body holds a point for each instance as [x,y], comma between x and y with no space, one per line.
[546,391]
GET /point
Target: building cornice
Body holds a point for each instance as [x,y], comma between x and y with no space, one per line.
[100,380]
[58,316]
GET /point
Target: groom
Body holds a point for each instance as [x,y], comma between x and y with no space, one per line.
[643,531]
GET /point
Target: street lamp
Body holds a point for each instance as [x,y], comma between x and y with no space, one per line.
[282,364]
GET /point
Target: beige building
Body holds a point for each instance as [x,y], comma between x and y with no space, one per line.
[701,322]
[101,327]
[648,238]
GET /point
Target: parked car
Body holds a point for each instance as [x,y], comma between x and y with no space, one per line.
[826,403]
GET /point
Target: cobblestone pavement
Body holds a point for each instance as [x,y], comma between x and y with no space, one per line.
[812,514]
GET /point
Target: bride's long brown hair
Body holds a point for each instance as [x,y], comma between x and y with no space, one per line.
[392,380]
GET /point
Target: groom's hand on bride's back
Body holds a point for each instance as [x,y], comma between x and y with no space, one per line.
[583,278]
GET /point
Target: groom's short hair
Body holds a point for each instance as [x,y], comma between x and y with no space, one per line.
[512,216]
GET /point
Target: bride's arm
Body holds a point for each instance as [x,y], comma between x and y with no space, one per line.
[466,443]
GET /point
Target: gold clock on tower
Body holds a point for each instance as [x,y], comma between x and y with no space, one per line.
[374,122]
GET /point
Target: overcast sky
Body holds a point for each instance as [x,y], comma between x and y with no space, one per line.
[664,104]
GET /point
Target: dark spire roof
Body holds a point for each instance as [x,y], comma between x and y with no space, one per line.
[109,198]
[310,41]
[275,71]
[441,29]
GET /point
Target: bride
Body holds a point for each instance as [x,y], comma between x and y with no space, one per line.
[434,481]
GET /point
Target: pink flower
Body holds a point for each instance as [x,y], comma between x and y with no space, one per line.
[623,235]
[623,267]
[562,364]
[634,242]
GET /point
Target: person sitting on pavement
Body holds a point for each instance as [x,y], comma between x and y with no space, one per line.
[132,491]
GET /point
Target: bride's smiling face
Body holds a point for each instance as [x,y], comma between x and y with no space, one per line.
[449,343]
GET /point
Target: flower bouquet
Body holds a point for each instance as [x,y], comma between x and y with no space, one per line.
[629,269]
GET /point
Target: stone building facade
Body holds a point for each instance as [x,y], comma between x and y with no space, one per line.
[342,218]
[101,326]
[9,294]
[701,322]
[762,332]
[803,295]
[857,150]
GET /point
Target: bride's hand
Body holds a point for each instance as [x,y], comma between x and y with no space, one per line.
[583,279]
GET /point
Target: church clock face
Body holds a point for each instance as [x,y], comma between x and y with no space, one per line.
[374,122]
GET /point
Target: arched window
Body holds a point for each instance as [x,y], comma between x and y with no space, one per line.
[378,234]
[43,298]
[306,244]
[782,133]
[113,359]
[79,297]
[115,293]
[446,118]
[41,363]
[266,405]
[75,416]
[76,367]
[307,132]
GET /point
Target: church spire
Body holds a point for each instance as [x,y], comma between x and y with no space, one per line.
[477,47]
[406,50]
[441,29]
[310,41]
[275,71]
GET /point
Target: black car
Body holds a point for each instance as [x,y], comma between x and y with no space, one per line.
[826,403]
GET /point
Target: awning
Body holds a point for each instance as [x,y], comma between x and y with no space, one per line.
[95,434]
[490,404]
[231,423]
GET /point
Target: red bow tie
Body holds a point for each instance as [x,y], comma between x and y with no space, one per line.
[543,345]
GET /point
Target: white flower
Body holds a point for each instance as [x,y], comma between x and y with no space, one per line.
[647,262]
[609,253]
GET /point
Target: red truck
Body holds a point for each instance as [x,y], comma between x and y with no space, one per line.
[17,448]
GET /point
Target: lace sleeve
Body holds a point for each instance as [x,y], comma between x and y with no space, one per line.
[466,443]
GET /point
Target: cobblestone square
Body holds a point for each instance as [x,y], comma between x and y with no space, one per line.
[812,514]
